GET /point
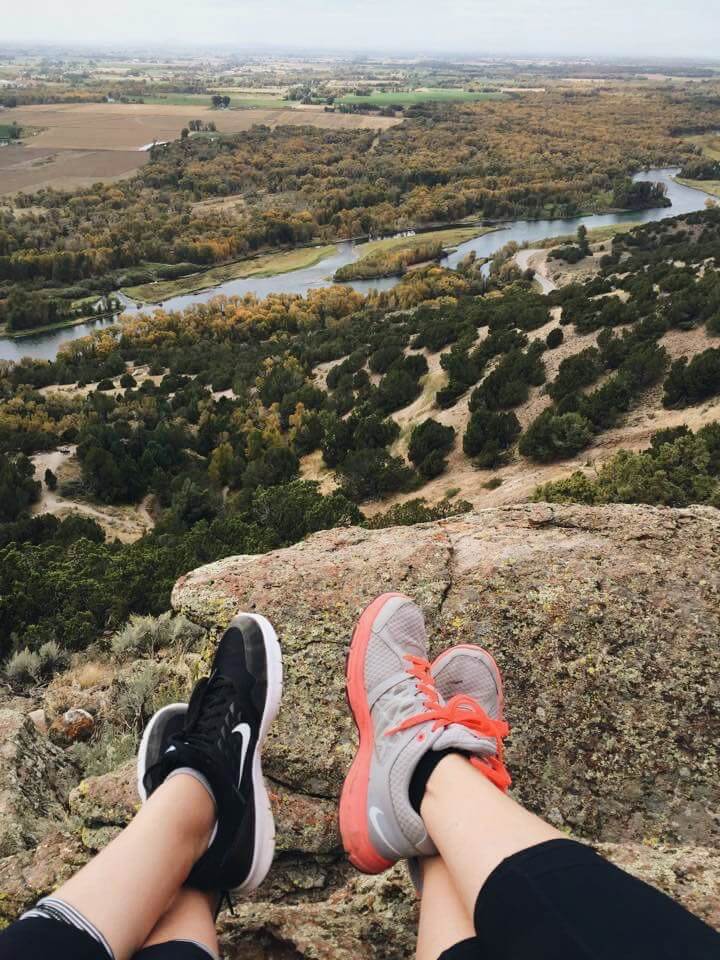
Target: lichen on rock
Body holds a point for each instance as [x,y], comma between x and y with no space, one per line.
[605,624]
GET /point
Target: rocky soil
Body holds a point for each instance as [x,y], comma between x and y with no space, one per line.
[605,622]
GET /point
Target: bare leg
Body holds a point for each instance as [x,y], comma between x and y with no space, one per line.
[475,826]
[128,886]
[191,916]
[444,921]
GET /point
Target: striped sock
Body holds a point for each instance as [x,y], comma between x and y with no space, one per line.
[51,908]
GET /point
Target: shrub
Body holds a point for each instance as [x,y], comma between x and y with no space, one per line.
[293,511]
[493,483]
[508,385]
[23,668]
[397,389]
[489,435]
[553,436]
[276,466]
[308,435]
[128,381]
[383,358]
[52,658]
[105,752]
[570,254]
[27,667]
[105,385]
[675,473]
[350,365]
[371,474]
[416,365]
[429,442]
[576,372]
[143,636]
[554,338]
[18,487]
[691,382]
[417,511]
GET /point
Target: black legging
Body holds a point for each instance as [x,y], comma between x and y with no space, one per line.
[556,901]
[41,939]
[562,901]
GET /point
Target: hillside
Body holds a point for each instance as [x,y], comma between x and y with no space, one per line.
[244,425]
[517,478]
[603,620]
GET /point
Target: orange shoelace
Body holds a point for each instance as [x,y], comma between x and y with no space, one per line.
[462,710]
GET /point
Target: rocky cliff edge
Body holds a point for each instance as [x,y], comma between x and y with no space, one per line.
[605,623]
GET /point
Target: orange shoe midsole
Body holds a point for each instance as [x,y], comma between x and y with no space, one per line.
[354,797]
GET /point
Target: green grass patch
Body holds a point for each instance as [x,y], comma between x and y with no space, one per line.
[179,99]
[239,102]
[452,237]
[268,265]
[711,187]
[595,235]
[408,99]
[259,102]
[709,143]
[392,256]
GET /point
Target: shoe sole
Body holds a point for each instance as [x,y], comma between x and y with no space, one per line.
[353,813]
[264,849]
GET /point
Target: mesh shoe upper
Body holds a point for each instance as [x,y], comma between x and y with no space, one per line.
[409,717]
[469,673]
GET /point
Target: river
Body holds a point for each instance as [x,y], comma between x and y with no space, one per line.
[684,200]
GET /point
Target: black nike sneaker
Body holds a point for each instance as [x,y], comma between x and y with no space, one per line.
[220,733]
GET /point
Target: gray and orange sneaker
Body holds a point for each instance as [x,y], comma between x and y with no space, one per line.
[400,716]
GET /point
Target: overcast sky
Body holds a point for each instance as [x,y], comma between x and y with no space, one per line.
[679,28]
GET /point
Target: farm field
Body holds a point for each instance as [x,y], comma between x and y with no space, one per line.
[82,143]
[435,95]
[30,168]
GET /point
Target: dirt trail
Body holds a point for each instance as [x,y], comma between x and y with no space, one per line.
[536,260]
[126,524]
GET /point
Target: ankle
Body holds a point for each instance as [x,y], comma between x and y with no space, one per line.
[425,769]
[192,803]
[442,778]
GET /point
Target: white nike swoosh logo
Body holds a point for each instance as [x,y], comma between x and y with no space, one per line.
[376,815]
[244,730]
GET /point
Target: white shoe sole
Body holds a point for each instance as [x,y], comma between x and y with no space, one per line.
[264,820]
